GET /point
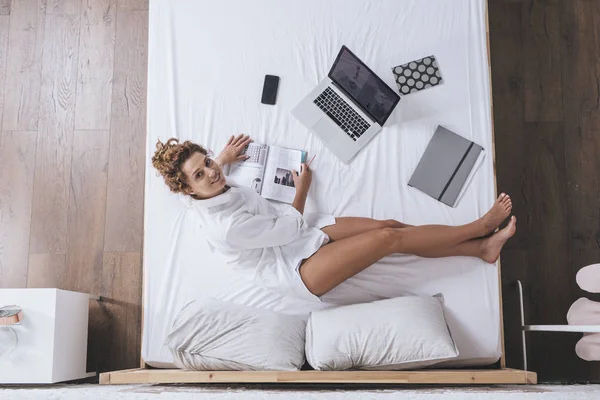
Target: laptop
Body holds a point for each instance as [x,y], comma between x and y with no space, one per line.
[347,108]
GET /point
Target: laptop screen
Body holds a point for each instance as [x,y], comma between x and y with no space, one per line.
[361,84]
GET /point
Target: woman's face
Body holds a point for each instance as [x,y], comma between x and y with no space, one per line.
[204,176]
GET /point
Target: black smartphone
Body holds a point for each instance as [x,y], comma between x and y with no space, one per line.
[269,93]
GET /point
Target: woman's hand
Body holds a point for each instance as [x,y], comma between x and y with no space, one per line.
[302,181]
[233,149]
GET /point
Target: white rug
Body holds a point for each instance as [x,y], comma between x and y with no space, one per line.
[222,392]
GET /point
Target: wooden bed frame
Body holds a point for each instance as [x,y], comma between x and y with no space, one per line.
[497,376]
[430,377]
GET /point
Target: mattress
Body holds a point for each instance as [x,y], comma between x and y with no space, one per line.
[207,61]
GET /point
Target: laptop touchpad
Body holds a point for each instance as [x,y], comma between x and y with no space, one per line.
[326,129]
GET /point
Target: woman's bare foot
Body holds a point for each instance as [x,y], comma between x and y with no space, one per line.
[491,246]
[498,213]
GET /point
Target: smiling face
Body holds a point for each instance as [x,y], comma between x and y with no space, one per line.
[205,178]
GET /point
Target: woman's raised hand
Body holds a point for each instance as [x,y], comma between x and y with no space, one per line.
[303,179]
[233,150]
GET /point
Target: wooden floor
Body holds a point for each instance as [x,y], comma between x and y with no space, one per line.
[72,116]
[546,90]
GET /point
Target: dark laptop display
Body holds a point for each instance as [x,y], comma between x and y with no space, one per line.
[369,92]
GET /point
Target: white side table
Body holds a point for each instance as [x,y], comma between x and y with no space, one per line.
[52,337]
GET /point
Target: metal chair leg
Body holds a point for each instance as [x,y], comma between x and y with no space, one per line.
[523,340]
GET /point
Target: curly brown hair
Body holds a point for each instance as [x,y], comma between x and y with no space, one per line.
[169,158]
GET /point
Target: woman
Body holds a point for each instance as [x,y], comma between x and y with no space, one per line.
[283,251]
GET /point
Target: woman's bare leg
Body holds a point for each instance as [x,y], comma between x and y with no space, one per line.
[469,248]
[334,263]
[350,226]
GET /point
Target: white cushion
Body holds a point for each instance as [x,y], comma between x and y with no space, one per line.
[394,334]
[211,334]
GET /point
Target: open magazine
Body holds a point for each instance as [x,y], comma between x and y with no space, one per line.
[268,171]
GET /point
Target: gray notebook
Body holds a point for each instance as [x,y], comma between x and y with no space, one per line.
[445,166]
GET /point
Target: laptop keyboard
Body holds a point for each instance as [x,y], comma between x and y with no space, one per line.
[341,113]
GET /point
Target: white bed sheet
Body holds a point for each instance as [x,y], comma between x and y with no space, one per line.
[207,61]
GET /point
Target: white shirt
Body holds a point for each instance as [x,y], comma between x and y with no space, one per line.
[261,241]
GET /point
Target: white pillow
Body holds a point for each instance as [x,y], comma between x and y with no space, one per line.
[394,334]
[211,334]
